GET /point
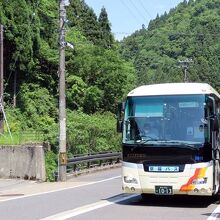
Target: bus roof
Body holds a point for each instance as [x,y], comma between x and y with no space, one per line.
[173,89]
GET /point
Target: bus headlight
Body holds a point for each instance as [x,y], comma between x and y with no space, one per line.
[199,181]
[130,179]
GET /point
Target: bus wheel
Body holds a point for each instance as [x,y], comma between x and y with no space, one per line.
[216,197]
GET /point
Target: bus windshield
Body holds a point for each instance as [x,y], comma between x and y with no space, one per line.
[166,119]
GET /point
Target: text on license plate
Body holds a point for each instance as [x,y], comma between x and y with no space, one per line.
[163,190]
[164,168]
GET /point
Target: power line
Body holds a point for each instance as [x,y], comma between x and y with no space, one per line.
[138,10]
[150,16]
[188,33]
[130,10]
[159,32]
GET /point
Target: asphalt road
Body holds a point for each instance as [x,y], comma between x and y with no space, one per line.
[96,196]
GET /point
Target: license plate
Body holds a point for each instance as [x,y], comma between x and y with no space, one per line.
[164,168]
[163,190]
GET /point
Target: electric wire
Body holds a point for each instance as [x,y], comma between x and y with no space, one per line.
[134,15]
[140,13]
[159,32]
[147,12]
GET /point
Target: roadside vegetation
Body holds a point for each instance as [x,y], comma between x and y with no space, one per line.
[99,70]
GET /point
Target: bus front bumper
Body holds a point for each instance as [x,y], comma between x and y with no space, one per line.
[136,180]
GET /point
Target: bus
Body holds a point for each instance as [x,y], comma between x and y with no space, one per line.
[183,156]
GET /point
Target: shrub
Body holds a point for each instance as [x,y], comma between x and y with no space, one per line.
[51,165]
[91,133]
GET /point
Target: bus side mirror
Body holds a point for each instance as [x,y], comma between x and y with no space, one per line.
[120,114]
[119,126]
[214,119]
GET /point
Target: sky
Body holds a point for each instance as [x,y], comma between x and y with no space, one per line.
[127,16]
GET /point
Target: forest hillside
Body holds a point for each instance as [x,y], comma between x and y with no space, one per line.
[99,70]
[191,31]
[97,77]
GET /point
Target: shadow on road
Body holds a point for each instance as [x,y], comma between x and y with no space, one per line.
[172,201]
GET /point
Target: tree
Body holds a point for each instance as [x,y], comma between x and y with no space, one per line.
[96,75]
[19,24]
[188,31]
[107,38]
[93,100]
[106,78]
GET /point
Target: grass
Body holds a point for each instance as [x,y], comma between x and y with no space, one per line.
[21,138]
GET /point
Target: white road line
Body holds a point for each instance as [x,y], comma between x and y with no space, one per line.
[215,214]
[88,208]
[58,190]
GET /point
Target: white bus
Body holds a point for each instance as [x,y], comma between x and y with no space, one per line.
[181,153]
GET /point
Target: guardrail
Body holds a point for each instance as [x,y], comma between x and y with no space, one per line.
[79,164]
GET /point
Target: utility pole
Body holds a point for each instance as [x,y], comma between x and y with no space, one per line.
[1,80]
[62,98]
[185,65]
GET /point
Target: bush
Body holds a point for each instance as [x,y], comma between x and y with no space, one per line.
[91,133]
[51,165]
[15,119]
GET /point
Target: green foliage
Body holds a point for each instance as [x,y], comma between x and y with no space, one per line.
[15,118]
[188,31]
[107,38]
[20,24]
[84,17]
[16,130]
[91,68]
[51,165]
[91,133]
[39,110]
[22,137]
[93,99]
[108,75]
[75,92]
[37,102]
[96,75]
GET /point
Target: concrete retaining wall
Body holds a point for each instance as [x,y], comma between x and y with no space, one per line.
[25,161]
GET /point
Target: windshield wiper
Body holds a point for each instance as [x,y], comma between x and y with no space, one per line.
[179,144]
[167,143]
[143,141]
[139,143]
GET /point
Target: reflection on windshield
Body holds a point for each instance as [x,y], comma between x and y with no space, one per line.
[166,119]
